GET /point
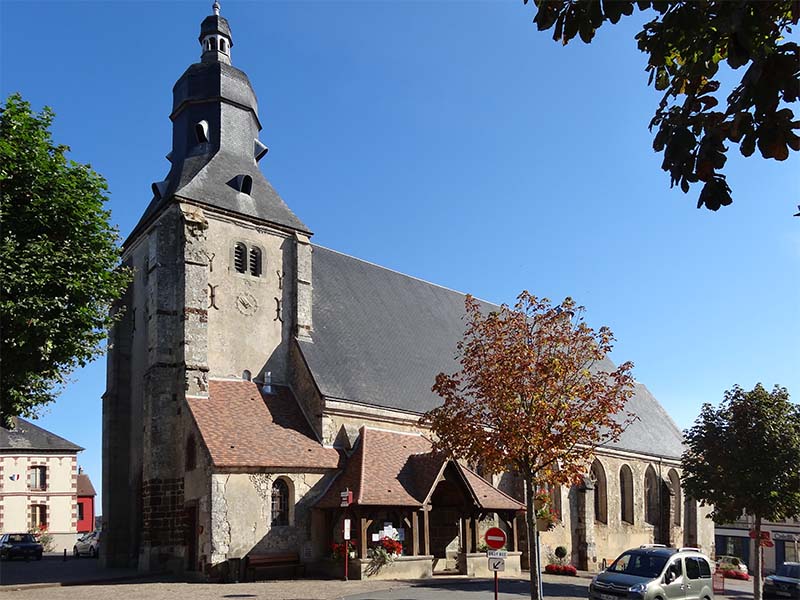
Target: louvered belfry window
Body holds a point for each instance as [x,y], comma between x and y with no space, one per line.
[255,262]
[240,258]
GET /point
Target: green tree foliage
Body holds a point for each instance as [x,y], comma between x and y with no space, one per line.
[58,261]
[686,43]
[744,458]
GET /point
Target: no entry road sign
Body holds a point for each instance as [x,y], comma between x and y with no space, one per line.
[495,538]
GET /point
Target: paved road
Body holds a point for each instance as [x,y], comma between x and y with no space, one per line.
[52,570]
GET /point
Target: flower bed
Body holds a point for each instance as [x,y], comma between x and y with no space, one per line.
[561,570]
[735,574]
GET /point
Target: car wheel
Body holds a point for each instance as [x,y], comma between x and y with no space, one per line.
[75,552]
[93,552]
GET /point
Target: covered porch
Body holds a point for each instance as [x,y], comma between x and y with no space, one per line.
[434,507]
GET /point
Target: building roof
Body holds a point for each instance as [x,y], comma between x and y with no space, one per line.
[85,487]
[381,337]
[242,427]
[390,468]
[26,437]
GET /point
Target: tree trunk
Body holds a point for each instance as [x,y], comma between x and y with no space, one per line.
[533,546]
[758,566]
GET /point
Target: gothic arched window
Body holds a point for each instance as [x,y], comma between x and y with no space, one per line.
[280,503]
[222,45]
[675,483]
[626,494]
[598,475]
[651,499]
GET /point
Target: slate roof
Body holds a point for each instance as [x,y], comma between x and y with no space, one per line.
[242,427]
[85,487]
[391,468]
[26,437]
[380,338]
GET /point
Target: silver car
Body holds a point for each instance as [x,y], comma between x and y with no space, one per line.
[655,572]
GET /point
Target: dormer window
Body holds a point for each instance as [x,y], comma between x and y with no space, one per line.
[247,184]
[201,132]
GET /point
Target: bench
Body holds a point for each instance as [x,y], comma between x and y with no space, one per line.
[277,566]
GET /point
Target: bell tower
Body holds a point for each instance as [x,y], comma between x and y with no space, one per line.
[222,285]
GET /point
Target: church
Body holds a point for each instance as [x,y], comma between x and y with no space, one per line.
[263,393]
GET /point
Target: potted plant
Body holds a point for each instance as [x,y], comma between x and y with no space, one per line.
[558,564]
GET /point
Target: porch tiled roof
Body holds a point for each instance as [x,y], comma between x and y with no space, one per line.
[241,427]
[398,469]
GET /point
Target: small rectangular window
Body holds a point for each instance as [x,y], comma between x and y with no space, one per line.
[38,517]
[37,478]
[80,511]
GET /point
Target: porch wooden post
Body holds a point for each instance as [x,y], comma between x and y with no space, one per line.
[414,533]
[473,534]
[427,529]
[364,525]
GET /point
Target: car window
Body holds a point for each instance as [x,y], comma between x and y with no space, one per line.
[789,571]
[20,538]
[692,567]
[639,564]
[705,568]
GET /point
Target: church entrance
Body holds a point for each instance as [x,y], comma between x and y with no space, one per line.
[447,508]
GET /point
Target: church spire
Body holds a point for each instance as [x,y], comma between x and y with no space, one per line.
[215,38]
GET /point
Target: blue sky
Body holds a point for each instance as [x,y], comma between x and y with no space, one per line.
[453,142]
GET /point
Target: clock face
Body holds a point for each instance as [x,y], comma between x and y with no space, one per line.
[246,304]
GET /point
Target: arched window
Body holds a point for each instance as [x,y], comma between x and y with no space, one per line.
[598,475]
[255,262]
[651,503]
[280,503]
[213,43]
[222,45]
[675,484]
[626,494]
[240,257]
[246,375]
[201,132]
[190,461]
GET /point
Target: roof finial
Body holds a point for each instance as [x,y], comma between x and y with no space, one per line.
[215,7]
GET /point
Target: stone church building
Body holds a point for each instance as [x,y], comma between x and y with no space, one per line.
[255,376]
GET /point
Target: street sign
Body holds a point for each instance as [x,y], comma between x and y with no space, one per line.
[495,538]
[767,543]
[765,535]
[497,564]
[346,497]
[346,532]
[496,553]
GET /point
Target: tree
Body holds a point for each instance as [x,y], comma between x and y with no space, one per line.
[58,261]
[744,458]
[531,396]
[686,44]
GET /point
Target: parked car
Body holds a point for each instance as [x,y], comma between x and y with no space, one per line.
[731,563]
[785,583]
[655,571]
[23,545]
[88,545]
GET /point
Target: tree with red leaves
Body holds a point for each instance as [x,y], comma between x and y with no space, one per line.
[532,396]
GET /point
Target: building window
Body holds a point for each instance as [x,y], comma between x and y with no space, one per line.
[255,262]
[651,499]
[190,461]
[598,475]
[222,45]
[38,517]
[201,132]
[280,503]
[675,484]
[240,257]
[80,511]
[213,43]
[37,478]
[626,494]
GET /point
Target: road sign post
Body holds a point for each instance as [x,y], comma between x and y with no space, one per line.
[496,538]
[346,499]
